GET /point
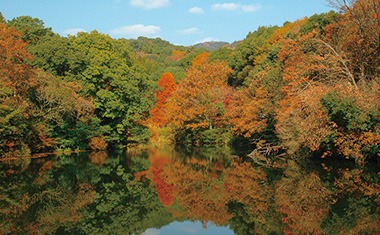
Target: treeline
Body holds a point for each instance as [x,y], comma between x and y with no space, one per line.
[307,87]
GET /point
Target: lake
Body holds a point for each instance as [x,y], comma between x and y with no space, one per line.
[186,192]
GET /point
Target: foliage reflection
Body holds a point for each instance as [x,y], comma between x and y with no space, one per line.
[102,193]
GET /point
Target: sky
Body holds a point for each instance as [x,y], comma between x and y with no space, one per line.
[181,22]
[189,228]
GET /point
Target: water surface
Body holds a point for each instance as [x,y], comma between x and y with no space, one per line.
[169,192]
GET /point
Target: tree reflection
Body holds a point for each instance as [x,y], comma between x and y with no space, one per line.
[98,158]
[251,200]
[165,190]
[357,210]
[303,200]
[101,193]
[249,197]
[32,202]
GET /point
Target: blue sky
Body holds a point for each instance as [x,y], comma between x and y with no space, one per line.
[181,22]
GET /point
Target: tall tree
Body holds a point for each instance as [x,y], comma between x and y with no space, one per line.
[16,81]
[168,86]
[200,96]
[32,29]
[119,86]
[359,33]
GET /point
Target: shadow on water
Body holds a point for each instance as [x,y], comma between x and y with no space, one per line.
[186,191]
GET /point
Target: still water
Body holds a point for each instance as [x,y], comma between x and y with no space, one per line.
[171,192]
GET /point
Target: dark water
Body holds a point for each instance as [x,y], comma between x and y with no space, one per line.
[167,192]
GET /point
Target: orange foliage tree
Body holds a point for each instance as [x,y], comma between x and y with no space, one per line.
[310,70]
[200,59]
[15,73]
[249,108]
[358,34]
[199,101]
[177,55]
[354,114]
[16,80]
[301,121]
[168,86]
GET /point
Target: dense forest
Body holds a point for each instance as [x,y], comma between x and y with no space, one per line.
[307,88]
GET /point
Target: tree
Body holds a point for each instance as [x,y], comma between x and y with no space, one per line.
[118,86]
[51,53]
[32,29]
[248,54]
[198,101]
[2,19]
[200,59]
[310,70]
[251,108]
[168,87]
[359,34]
[354,114]
[16,81]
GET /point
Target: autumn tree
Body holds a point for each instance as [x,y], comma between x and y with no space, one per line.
[313,70]
[168,86]
[310,70]
[16,81]
[354,115]
[199,101]
[359,36]
[250,110]
[200,59]
[177,55]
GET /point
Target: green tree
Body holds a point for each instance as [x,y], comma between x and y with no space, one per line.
[2,19]
[51,53]
[32,29]
[246,55]
[118,86]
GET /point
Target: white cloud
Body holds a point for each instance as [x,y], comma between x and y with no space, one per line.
[73,31]
[152,231]
[250,8]
[225,6]
[196,10]
[136,30]
[209,39]
[189,230]
[235,7]
[149,4]
[189,31]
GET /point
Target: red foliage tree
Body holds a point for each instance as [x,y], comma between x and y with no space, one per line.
[168,86]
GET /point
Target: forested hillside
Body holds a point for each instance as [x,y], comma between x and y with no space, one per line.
[307,88]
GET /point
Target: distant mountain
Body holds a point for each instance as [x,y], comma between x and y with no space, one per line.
[211,45]
[155,47]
